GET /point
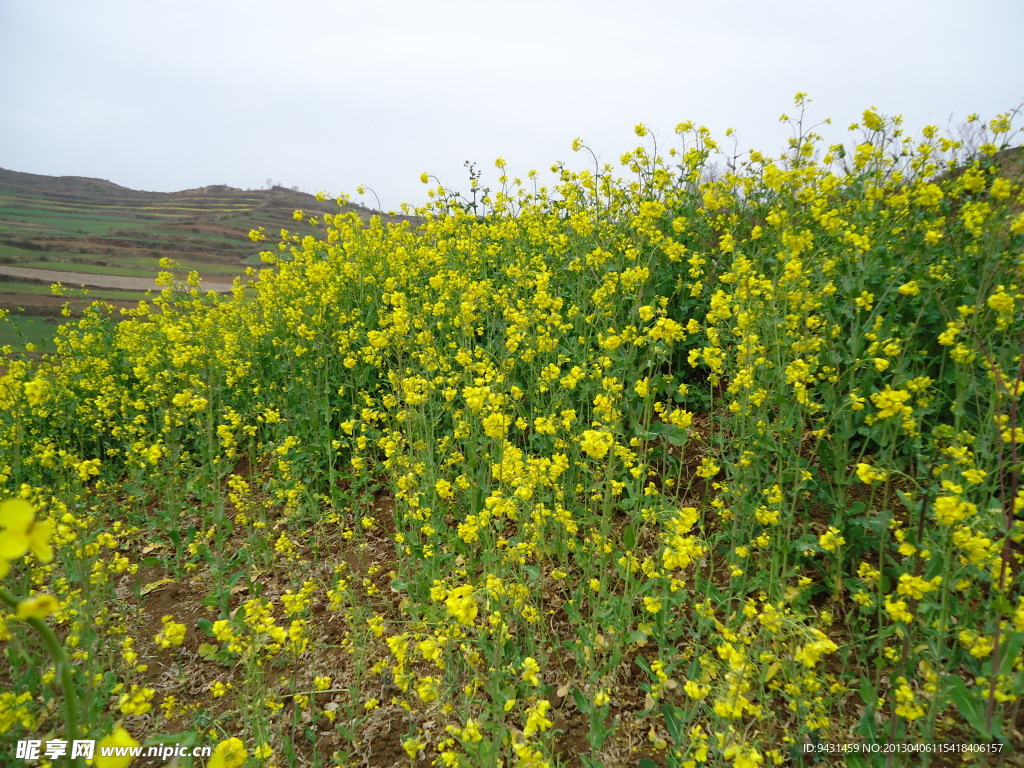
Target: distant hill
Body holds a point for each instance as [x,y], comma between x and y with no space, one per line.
[117,236]
[77,216]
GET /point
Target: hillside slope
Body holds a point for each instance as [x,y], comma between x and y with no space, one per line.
[117,236]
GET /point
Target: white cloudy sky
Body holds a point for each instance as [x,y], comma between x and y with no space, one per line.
[329,94]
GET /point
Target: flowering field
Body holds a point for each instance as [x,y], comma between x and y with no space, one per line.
[655,467]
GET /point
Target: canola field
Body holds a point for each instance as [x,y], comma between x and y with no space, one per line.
[651,467]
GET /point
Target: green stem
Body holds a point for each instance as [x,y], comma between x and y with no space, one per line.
[63,668]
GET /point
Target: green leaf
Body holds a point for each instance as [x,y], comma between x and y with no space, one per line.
[807,544]
[629,538]
[206,627]
[1001,604]
[936,566]
[673,723]
[631,494]
[638,430]
[677,436]
[573,612]
[208,650]
[966,703]
[1008,653]
[911,504]
[646,763]
[714,592]
[868,692]
[867,727]
[636,636]
[581,701]
[642,662]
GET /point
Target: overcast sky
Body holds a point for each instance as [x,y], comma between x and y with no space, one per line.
[330,94]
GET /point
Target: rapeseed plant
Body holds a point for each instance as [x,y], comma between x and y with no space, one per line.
[726,459]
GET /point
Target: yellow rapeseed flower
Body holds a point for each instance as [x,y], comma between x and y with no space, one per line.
[810,653]
[596,443]
[172,633]
[462,605]
[910,289]
[230,753]
[951,509]
[891,402]
[868,474]
[38,607]
[915,586]
[531,671]
[19,533]
[831,539]
[898,610]
[535,718]
[119,738]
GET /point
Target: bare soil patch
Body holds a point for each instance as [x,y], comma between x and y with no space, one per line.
[98,281]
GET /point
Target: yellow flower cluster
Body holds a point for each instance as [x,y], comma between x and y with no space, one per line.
[702,425]
[21,533]
[172,633]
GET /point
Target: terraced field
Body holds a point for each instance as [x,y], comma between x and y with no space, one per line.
[91,232]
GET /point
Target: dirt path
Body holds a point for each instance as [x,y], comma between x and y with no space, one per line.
[50,306]
[98,281]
